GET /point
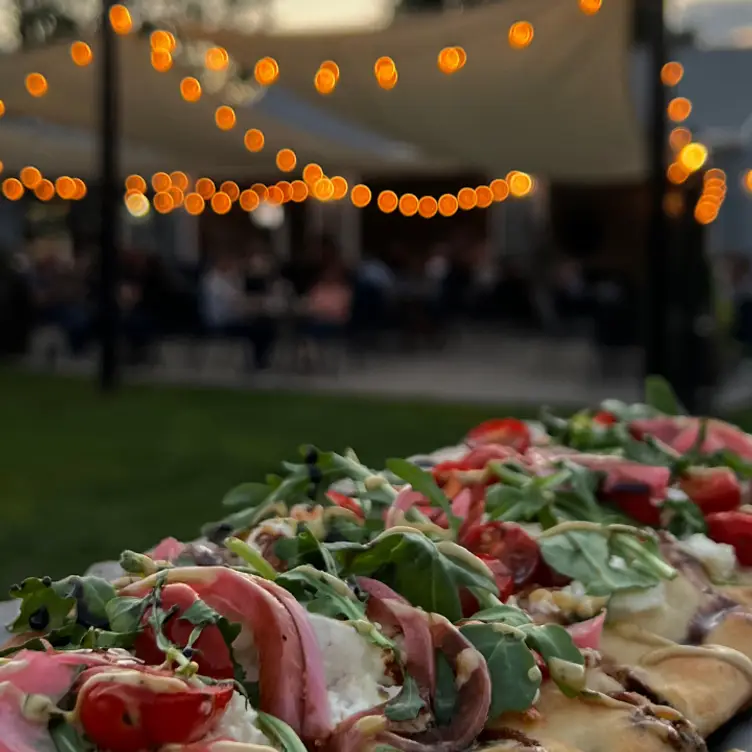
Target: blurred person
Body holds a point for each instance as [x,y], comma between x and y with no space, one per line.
[326,313]
[16,304]
[416,295]
[373,298]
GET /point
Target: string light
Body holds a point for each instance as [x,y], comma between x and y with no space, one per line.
[13,189]
[521,35]
[286,189]
[194,204]
[216,59]
[387,202]
[249,200]
[299,191]
[2,108]
[448,205]
[693,156]
[408,205]
[190,89]
[340,188]
[672,73]
[286,160]
[120,20]
[386,73]
[679,109]
[266,71]
[747,181]
[163,40]
[163,202]
[679,138]
[45,190]
[221,203]
[80,189]
[65,187]
[261,190]
[225,118]
[254,140]
[484,197]
[161,182]
[428,206]
[467,199]
[135,183]
[275,196]
[81,54]
[230,188]
[178,196]
[323,189]
[205,188]
[451,59]
[590,7]
[36,85]
[161,60]
[500,189]
[360,196]
[179,180]
[312,173]
[325,80]
[30,177]
[137,204]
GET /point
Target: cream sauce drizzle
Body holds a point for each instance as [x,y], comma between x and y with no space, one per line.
[733,657]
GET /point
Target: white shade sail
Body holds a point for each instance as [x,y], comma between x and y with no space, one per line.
[561,108]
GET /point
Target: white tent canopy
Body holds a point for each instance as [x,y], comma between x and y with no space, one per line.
[57,132]
[561,108]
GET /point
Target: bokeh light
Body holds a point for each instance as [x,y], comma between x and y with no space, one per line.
[261,190]
[137,204]
[484,196]
[451,59]
[677,173]
[275,195]
[225,118]
[216,59]
[693,156]
[590,7]
[521,34]
[286,189]
[178,196]
[673,204]
[324,81]
[428,206]
[161,182]
[190,89]
[408,205]
[286,160]
[747,181]
[163,40]
[249,200]
[448,205]
[161,60]
[254,140]
[312,173]
[387,202]
[266,71]
[323,189]
[299,191]
[500,189]
[13,189]
[672,73]
[467,199]
[679,109]
[194,204]
[45,190]
[331,66]
[706,211]
[163,202]
[231,189]
[2,108]
[520,184]
[340,187]
[179,180]
[36,85]
[120,20]
[205,188]
[80,189]
[360,196]
[679,138]
[386,74]
[65,187]
[221,203]
[30,177]
[81,54]
[135,183]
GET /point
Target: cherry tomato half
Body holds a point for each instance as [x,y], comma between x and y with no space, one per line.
[211,652]
[504,582]
[734,528]
[605,418]
[505,431]
[345,502]
[713,489]
[141,709]
[506,543]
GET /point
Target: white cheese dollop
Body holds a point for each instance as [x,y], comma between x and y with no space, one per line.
[354,667]
[627,602]
[239,724]
[718,559]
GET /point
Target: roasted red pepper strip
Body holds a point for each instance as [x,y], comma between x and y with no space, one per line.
[509,432]
[713,489]
[605,418]
[129,710]
[346,503]
[734,528]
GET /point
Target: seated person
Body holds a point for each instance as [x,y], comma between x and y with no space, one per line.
[327,305]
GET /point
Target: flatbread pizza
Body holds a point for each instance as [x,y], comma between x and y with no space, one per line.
[562,586]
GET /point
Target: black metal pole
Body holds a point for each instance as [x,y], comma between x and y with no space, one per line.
[110,209]
[658,308]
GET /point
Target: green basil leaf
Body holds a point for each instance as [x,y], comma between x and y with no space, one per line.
[125,614]
[586,556]
[38,599]
[511,665]
[445,697]
[406,706]
[509,615]
[660,395]
[322,593]
[92,594]
[553,641]
[411,564]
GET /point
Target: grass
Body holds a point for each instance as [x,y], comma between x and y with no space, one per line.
[83,476]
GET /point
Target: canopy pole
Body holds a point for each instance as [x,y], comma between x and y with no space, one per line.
[110,215]
[657,313]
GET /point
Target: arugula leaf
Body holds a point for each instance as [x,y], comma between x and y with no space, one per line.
[660,395]
[586,556]
[279,733]
[247,495]
[43,608]
[305,548]
[627,413]
[100,639]
[424,483]
[322,593]
[682,516]
[124,613]
[552,641]
[515,678]
[445,697]
[92,594]
[415,567]
[406,706]
[202,615]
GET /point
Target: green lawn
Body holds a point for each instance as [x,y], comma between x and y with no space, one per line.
[83,476]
